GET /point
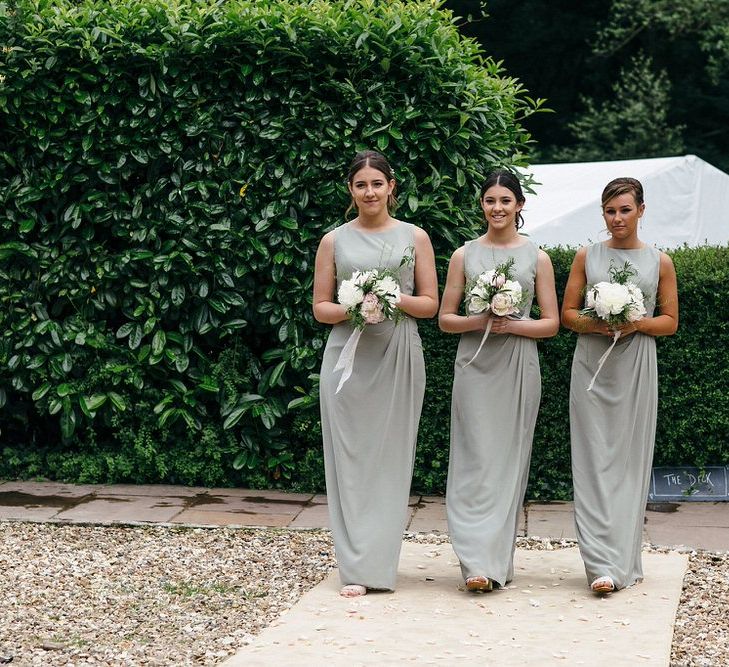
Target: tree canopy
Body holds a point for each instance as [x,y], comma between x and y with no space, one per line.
[599,63]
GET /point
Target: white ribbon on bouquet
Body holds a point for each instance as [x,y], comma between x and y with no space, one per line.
[616,335]
[346,357]
[483,340]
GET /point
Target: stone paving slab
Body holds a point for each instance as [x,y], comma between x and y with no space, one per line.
[429,516]
[690,514]
[312,516]
[547,616]
[698,537]
[248,504]
[198,517]
[551,520]
[270,494]
[49,490]
[121,509]
[166,490]
[25,513]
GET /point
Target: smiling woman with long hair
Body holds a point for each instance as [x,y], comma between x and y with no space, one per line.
[370,419]
[496,383]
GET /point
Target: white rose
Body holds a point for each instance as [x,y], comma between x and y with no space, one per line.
[487,277]
[477,304]
[360,278]
[388,288]
[590,298]
[349,294]
[515,288]
[637,308]
[611,299]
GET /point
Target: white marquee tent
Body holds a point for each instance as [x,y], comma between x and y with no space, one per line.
[687,202]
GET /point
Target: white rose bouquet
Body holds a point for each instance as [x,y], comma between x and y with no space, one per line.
[496,291]
[370,297]
[617,302]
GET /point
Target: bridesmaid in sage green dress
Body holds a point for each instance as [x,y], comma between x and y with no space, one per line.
[613,426]
[496,396]
[370,425]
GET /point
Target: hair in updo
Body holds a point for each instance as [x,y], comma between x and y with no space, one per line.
[622,186]
[506,179]
[376,161]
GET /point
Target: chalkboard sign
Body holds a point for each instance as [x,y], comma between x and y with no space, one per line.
[689,483]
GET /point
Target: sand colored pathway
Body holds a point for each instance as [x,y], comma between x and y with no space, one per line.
[546,616]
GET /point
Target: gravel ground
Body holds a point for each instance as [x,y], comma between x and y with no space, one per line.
[123,596]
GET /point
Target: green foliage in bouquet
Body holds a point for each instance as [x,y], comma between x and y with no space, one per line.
[166,170]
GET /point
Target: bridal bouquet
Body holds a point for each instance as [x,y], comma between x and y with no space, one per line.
[370,297]
[617,301]
[494,290]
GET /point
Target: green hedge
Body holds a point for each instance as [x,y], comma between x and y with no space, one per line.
[693,368]
[166,170]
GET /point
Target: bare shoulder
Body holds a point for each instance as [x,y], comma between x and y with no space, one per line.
[458,253]
[543,256]
[420,234]
[665,259]
[327,241]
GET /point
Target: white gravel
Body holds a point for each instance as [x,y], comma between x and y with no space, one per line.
[127,596]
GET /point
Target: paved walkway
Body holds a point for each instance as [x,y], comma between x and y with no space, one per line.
[696,525]
[546,616]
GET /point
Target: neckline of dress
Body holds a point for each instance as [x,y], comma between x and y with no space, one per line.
[375,233]
[497,247]
[643,247]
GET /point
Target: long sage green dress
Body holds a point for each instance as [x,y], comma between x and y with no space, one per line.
[370,427]
[613,429]
[493,412]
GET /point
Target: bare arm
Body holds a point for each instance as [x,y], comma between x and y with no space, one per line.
[448,319]
[663,324]
[666,322]
[547,325]
[326,310]
[574,297]
[424,302]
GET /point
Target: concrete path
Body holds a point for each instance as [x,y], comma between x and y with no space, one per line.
[546,616]
[696,525]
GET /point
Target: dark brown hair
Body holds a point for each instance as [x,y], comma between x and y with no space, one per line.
[376,161]
[622,186]
[506,179]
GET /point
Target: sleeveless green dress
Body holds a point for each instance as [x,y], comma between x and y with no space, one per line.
[370,427]
[493,413]
[612,429]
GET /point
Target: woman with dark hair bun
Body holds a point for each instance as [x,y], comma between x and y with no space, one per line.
[497,382]
[373,373]
[613,413]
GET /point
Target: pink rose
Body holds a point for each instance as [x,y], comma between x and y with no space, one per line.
[498,280]
[502,304]
[371,309]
